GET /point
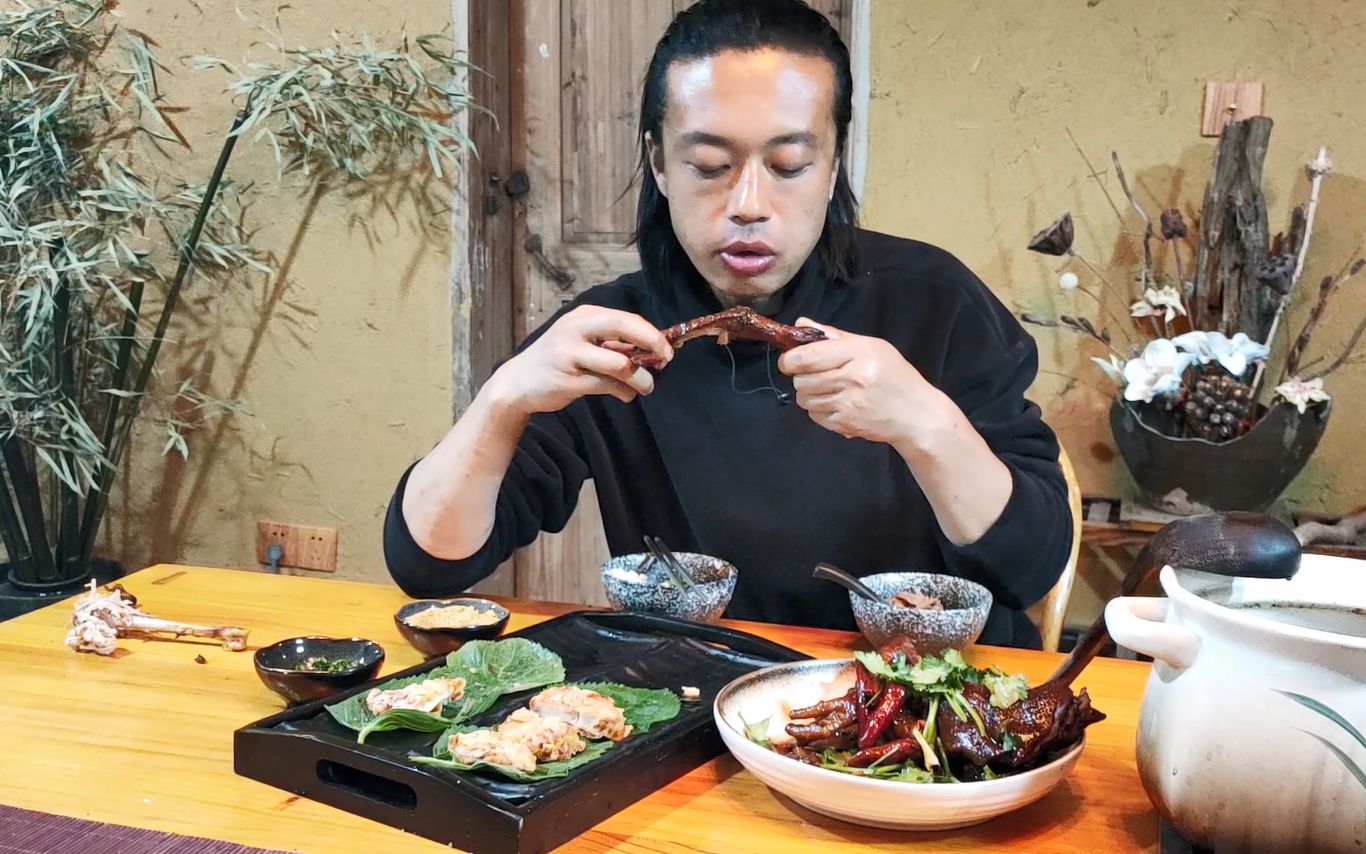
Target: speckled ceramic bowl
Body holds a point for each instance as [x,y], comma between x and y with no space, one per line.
[703,603]
[966,604]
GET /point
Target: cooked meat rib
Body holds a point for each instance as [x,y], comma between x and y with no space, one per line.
[733,324]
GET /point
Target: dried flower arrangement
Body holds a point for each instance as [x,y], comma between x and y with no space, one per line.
[1183,356]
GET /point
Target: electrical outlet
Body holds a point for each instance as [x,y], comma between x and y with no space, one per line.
[305,547]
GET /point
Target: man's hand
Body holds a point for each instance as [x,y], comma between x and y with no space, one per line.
[862,387]
[859,386]
[582,354]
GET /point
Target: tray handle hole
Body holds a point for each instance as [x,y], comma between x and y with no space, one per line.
[366,785]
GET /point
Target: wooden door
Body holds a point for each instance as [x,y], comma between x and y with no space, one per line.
[582,62]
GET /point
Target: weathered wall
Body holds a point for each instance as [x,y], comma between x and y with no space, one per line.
[343,362]
[969,149]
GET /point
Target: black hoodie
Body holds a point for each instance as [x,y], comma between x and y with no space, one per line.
[712,466]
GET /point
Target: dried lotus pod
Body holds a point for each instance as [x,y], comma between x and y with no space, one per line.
[1056,239]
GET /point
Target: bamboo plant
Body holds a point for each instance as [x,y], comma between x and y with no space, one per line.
[100,238]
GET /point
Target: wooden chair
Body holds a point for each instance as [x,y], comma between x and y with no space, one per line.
[1055,603]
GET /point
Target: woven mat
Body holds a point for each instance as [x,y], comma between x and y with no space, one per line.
[26,832]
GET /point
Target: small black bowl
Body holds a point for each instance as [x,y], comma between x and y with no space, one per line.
[434,642]
[280,666]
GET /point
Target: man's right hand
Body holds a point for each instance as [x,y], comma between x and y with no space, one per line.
[581,354]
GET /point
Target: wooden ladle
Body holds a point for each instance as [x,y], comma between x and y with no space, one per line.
[1241,545]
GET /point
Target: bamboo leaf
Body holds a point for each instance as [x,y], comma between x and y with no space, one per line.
[58,468]
[1355,769]
[1329,713]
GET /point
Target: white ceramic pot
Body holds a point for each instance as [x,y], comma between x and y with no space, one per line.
[1237,745]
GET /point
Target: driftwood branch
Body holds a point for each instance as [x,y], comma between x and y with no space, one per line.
[1292,359]
[1297,246]
[1234,236]
[1344,532]
[1146,271]
[1327,288]
[1346,356]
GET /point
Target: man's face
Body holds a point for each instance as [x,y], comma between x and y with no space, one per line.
[747,163]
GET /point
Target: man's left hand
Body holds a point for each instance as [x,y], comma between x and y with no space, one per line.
[861,387]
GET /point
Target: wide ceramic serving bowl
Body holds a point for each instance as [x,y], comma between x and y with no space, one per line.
[1250,734]
[654,593]
[876,803]
[966,607]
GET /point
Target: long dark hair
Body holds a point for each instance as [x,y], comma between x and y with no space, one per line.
[711,27]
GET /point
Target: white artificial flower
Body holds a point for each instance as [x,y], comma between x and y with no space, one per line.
[1157,373]
[1165,302]
[1068,281]
[1322,164]
[1300,393]
[1233,354]
[1197,344]
[1113,369]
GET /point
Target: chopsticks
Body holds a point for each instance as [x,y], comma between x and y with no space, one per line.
[677,574]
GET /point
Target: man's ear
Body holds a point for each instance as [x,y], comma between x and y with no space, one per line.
[656,157]
[834,179]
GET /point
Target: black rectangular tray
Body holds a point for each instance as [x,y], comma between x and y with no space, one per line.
[304,751]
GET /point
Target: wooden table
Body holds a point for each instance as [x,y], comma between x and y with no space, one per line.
[144,738]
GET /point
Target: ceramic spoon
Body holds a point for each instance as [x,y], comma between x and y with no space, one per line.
[833,573]
[1241,545]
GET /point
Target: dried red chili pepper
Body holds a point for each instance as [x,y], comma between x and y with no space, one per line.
[901,750]
[881,718]
[866,686]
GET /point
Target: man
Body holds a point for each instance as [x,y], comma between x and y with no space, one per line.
[910,445]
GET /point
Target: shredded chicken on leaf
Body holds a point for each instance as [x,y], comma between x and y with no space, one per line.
[593,714]
[489,746]
[428,696]
[550,739]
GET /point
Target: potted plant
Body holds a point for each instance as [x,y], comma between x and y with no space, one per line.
[97,247]
[1189,350]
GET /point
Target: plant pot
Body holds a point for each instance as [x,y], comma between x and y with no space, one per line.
[20,597]
[1247,473]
